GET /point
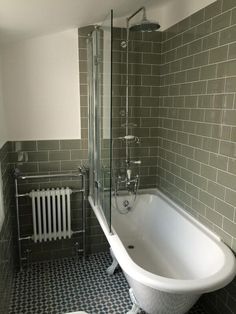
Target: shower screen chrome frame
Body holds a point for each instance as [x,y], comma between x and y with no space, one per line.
[100,123]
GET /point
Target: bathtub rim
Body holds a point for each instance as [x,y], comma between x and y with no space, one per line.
[197,286]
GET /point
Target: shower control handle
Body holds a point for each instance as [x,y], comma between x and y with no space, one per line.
[136,162]
[97,184]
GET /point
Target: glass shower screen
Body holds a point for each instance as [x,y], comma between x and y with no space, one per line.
[100,104]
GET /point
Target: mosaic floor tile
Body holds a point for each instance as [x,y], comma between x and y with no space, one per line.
[69,285]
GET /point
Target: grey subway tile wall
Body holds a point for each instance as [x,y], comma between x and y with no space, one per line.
[197,114]
[144,67]
[7,247]
[197,119]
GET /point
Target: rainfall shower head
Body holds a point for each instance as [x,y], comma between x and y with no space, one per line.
[144,25]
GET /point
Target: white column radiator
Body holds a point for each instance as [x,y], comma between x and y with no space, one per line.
[51,212]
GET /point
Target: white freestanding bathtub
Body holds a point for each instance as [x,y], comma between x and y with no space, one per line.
[168,257]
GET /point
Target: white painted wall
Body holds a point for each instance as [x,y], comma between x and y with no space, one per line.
[3,130]
[41,87]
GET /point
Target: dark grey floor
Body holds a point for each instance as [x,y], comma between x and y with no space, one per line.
[68,285]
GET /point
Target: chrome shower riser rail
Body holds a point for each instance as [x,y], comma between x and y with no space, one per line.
[127,77]
[81,174]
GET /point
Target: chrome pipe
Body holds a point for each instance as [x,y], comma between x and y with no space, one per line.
[25,238]
[78,231]
[127,88]
[41,176]
[28,194]
[18,226]
[84,217]
[136,12]
[127,76]
[30,238]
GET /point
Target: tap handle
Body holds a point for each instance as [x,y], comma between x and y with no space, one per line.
[136,162]
[129,174]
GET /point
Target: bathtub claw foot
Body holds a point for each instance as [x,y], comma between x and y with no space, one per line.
[135,308]
[111,269]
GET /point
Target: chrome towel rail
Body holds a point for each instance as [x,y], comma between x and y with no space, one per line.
[41,176]
[19,176]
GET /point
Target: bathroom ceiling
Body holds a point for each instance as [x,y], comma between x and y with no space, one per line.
[21,19]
